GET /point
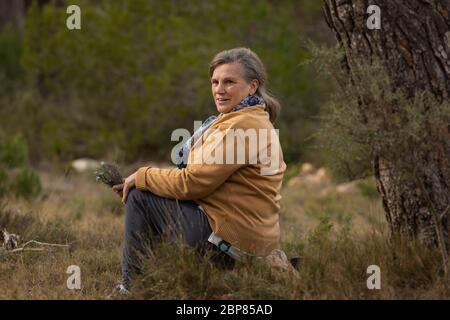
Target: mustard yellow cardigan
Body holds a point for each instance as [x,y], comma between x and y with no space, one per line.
[241,203]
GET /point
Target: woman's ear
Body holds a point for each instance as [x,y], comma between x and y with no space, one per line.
[254,86]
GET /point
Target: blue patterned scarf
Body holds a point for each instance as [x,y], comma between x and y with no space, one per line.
[183,154]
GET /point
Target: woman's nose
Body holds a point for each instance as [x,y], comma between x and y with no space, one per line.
[220,88]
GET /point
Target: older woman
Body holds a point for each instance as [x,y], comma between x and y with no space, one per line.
[232,204]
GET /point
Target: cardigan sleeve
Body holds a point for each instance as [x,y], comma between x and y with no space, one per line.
[198,179]
[183,184]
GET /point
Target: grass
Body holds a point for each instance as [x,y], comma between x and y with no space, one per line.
[338,235]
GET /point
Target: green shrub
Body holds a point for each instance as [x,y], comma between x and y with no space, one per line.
[292,170]
[369,118]
[15,176]
[27,184]
[139,69]
[10,52]
[3,182]
[368,189]
[13,151]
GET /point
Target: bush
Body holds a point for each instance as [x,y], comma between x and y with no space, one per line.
[10,52]
[13,152]
[3,182]
[139,69]
[15,176]
[368,189]
[369,117]
[27,184]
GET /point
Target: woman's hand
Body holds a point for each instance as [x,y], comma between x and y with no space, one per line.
[125,187]
[118,188]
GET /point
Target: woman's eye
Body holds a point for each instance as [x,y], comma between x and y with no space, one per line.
[227,82]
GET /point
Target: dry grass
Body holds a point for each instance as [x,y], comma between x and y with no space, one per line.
[73,210]
[338,234]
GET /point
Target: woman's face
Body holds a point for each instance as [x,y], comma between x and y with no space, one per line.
[229,86]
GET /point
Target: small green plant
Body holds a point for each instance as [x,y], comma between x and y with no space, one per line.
[13,151]
[10,52]
[27,184]
[15,176]
[322,232]
[292,171]
[368,189]
[3,182]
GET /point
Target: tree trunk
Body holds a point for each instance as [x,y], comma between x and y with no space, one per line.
[12,12]
[414,46]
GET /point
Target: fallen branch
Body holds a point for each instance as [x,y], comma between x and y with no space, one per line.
[11,241]
[45,244]
[25,249]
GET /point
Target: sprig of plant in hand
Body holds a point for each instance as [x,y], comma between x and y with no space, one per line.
[108,174]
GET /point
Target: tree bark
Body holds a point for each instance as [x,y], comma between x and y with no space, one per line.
[12,12]
[414,46]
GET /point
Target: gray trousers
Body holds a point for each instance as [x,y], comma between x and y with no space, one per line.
[150,219]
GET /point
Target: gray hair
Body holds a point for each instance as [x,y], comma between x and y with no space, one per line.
[253,69]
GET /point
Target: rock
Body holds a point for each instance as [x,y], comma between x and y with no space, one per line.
[320,177]
[295,182]
[306,169]
[348,187]
[310,177]
[279,263]
[85,164]
[10,240]
[278,259]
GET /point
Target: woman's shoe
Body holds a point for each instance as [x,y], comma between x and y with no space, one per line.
[119,290]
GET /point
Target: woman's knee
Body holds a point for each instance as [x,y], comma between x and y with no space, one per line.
[135,212]
[133,198]
[139,203]
[134,193]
